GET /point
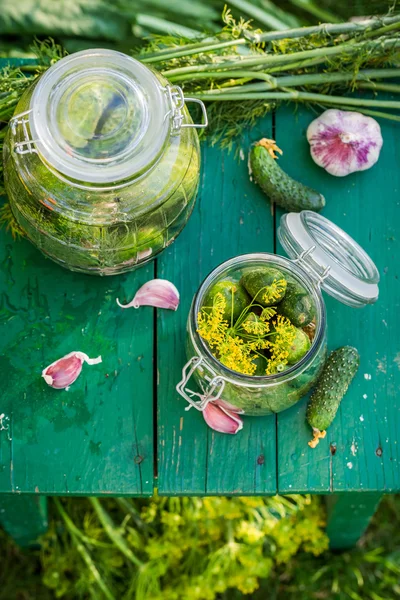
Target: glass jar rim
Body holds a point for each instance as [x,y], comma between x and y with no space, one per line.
[256,380]
[133,101]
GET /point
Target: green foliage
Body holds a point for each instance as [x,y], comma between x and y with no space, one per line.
[174,549]
[202,549]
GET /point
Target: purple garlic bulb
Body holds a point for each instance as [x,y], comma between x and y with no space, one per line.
[343,142]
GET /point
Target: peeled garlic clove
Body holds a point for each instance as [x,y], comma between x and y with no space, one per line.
[221,419]
[343,142]
[64,371]
[159,293]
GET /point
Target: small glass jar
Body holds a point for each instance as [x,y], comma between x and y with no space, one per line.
[101,162]
[321,256]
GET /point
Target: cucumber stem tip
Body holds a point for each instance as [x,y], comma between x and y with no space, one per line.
[317,435]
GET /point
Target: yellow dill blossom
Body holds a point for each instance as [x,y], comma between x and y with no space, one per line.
[256,327]
[284,334]
[236,355]
[274,291]
[267,313]
[212,326]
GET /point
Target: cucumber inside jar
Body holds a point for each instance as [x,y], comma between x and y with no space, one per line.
[249,324]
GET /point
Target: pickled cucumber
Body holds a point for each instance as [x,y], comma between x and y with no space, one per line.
[299,347]
[236,297]
[266,285]
[297,305]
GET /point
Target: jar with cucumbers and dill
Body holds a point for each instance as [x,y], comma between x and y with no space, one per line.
[257,327]
[101,163]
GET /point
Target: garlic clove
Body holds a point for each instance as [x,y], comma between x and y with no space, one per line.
[64,371]
[343,142]
[221,419]
[159,293]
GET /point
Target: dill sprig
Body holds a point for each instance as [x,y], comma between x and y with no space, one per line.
[237,345]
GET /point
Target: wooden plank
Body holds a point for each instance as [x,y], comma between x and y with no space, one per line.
[97,437]
[24,517]
[231,217]
[361,450]
[349,516]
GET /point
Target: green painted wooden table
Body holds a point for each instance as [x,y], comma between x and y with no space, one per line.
[122,429]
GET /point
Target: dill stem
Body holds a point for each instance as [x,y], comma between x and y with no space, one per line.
[290,80]
[326,28]
[189,49]
[375,113]
[323,54]
[299,96]
[113,534]
[72,529]
[383,87]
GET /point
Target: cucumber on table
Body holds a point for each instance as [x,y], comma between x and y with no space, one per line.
[278,185]
[336,376]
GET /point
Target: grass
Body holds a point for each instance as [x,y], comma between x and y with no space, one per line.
[106,549]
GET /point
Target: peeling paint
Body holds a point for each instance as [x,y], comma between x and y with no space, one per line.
[382,364]
[367,376]
[361,418]
[349,465]
[397,360]
[354,447]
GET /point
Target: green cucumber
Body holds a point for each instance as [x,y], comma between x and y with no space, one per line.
[299,347]
[297,305]
[280,187]
[235,295]
[336,376]
[265,285]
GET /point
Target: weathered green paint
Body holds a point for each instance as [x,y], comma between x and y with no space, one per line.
[23,517]
[348,516]
[231,217]
[361,450]
[95,438]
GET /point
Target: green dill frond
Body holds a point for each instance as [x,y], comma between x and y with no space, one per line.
[8,221]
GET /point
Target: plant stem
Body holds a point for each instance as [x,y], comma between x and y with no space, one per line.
[288,80]
[383,87]
[375,113]
[315,11]
[258,13]
[82,550]
[164,26]
[327,28]
[301,97]
[265,60]
[188,51]
[113,534]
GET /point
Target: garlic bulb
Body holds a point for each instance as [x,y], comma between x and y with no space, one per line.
[343,142]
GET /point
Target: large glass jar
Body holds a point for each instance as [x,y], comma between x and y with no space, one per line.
[101,162]
[322,256]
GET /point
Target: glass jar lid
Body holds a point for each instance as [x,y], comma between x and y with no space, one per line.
[331,257]
[99,116]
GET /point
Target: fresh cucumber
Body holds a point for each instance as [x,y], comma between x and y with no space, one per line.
[336,376]
[235,296]
[265,285]
[297,305]
[280,187]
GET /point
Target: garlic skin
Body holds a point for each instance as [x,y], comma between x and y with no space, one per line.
[159,293]
[222,416]
[343,142]
[64,371]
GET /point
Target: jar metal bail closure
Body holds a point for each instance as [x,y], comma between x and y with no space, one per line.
[216,383]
